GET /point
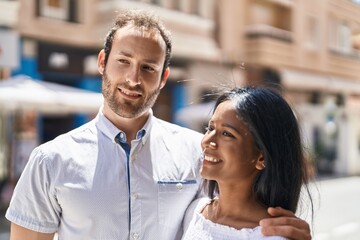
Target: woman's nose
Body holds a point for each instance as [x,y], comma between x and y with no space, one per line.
[212,145]
[209,141]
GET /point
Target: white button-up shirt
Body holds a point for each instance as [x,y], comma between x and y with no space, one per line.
[83,186]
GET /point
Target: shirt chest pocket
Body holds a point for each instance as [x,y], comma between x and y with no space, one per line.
[174,197]
[177,186]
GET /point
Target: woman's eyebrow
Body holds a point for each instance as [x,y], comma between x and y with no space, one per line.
[232,127]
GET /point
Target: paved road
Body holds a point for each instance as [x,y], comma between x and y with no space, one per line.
[4,225]
[4,236]
[337,209]
[336,205]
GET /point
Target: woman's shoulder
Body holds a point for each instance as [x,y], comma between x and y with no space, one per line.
[195,207]
[200,204]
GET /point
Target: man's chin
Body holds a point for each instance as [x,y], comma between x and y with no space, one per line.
[131,113]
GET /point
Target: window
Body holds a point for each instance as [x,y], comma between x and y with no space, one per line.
[340,36]
[65,10]
[344,37]
[54,9]
[270,20]
[312,33]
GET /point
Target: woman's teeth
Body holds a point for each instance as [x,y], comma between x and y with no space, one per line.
[211,159]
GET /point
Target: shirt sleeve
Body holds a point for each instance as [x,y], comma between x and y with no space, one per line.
[33,204]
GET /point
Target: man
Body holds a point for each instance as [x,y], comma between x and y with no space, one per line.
[125,174]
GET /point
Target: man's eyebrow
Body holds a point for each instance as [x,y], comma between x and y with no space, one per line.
[123,53]
[126,54]
[152,61]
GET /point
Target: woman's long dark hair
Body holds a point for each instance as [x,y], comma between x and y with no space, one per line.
[276,133]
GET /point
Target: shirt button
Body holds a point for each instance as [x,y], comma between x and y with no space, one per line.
[134,196]
[179,186]
[135,236]
[121,135]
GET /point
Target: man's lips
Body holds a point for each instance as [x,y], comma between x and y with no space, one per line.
[129,93]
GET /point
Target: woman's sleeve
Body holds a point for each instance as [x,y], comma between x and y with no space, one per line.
[190,212]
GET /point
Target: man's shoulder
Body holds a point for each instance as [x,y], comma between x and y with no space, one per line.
[81,134]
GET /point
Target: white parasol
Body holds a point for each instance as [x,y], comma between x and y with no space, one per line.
[23,93]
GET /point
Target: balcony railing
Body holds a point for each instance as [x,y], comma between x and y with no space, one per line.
[263,30]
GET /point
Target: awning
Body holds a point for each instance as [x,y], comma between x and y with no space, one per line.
[293,79]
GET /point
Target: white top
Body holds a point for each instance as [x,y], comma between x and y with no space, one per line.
[78,184]
[197,227]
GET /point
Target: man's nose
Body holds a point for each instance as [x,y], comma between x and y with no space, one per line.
[133,76]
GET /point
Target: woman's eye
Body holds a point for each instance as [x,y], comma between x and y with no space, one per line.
[224,133]
[227,134]
[208,129]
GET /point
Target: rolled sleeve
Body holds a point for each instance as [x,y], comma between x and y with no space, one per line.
[33,204]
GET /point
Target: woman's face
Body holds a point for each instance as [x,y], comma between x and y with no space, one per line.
[230,154]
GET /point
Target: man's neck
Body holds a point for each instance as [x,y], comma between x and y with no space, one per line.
[129,125]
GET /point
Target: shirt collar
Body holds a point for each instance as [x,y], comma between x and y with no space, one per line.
[111,131]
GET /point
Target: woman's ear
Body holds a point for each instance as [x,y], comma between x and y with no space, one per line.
[260,163]
[101,61]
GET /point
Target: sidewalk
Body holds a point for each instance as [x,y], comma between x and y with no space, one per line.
[4,224]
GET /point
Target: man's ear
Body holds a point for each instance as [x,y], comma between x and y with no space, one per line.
[260,163]
[165,77]
[101,61]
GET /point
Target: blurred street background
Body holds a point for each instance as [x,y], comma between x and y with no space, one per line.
[309,50]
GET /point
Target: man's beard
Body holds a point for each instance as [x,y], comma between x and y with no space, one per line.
[126,108]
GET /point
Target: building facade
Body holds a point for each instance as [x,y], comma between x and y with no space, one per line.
[311,51]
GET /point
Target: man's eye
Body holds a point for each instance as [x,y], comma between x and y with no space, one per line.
[148,68]
[123,61]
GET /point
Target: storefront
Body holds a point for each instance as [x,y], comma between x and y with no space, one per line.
[329,116]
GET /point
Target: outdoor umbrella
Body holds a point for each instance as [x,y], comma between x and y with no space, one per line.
[23,93]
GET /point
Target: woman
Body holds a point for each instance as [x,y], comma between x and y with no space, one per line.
[252,159]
